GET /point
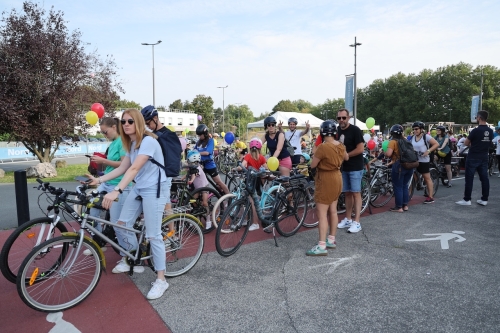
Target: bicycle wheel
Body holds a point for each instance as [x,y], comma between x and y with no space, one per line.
[22,241]
[218,209]
[435,180]
[199,210]
[341,204]
[381,191]
[46,287]
[411,186]
[290,211]
[233,221]
[268,199]
[183,239]
[311,207]
[365,194]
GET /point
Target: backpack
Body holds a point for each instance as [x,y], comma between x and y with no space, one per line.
[407,155]
[95,169]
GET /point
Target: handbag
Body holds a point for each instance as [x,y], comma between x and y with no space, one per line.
[288,146]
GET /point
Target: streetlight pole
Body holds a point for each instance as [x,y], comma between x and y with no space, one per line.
[153,49]
[223,121]
[355,45]
[481,93]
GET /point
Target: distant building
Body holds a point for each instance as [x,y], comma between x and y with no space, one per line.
[180,120]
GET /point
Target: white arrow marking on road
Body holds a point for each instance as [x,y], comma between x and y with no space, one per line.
[444,238]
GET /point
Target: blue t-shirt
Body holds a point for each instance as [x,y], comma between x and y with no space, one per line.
[207,160]
[480,142]
[148,174]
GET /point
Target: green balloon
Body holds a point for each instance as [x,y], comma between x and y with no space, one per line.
[385,144]
[370,122]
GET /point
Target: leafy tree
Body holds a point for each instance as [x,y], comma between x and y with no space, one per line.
[126,104]
[217,125]
[47,80]
[303,106]
[187,106]
[203,106]
[238,117]
[285,105]
[176,105]
[328,110]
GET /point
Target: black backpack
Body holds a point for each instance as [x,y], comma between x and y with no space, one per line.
[407,155]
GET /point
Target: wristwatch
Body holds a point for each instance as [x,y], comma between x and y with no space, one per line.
[118,189]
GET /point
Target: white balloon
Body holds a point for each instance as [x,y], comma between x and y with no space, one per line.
[367,137]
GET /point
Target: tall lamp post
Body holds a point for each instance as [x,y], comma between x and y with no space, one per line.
[223,122]
[153,49]
[355,45]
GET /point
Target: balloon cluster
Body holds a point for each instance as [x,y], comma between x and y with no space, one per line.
[96,112]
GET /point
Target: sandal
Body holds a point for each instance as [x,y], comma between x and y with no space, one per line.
[396,210]
[405,208]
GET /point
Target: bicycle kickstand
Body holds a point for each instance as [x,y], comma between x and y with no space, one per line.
[274,236]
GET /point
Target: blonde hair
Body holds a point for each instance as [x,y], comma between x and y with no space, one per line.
[255,153]
[140,130]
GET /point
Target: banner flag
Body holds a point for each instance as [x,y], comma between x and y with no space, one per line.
[349,94]
[474,108]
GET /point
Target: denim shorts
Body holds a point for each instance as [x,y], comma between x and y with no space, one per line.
[351,181]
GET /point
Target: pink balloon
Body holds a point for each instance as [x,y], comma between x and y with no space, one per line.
[183,143]
[371,144]
[199,117]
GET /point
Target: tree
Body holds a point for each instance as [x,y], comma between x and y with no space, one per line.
[303,106]
[285,105]
[176,105]
[237,118]
[125,104]
[217,125]
[203,106]
[47,81]
[328,110]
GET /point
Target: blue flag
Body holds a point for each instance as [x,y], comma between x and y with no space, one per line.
[349,94]
[474,108]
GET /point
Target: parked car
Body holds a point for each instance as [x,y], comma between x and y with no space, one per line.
[102,139]
[82,138]
[93,140]
[66,140]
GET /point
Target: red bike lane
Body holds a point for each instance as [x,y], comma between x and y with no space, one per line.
[116,305]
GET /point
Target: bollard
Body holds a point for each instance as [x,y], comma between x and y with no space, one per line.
[21,186]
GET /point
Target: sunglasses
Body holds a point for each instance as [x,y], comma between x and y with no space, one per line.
[271,125]
[341,118]
[124,121]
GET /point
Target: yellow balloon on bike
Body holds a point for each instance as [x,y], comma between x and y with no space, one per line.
[273,163]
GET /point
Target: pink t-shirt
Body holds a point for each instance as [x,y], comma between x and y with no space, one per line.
[201,179]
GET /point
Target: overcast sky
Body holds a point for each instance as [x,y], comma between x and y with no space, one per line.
[269,50]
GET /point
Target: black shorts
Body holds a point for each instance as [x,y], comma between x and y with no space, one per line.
[447,159]
[244,151]
[423,167]
[211,172]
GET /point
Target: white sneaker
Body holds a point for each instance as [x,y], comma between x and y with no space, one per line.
[158,288]
[499,176]
[87,251]
[208,224]
[463,203]
[482,203]
[345,223]
[253,227]
[355,227]
[123,267]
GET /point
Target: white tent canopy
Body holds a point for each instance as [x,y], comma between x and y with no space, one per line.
[282,116]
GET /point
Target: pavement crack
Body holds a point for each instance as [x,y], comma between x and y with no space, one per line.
[366,236]
[285,296]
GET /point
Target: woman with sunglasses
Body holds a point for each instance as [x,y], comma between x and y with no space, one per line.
[276,144]
[151,185]
[115,154]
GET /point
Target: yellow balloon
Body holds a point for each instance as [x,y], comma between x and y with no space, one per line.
[273,163]
[223,134]
[170,127]
[92,117]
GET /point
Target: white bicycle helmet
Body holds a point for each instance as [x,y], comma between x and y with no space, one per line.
[194,156]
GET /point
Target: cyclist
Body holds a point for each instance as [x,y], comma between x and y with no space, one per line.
[303,166]
[294,137]
[275,141]
[150,184]
[328,179]
[241,147]
[400,176]
[444,151]
[205,146]
[496,141]
[424,144]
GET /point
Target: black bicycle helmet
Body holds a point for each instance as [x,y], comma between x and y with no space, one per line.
[149,112]
[328,128]
[293,120]
[441,128]
[202,129]
[397,129]
[269,120]
[418,124]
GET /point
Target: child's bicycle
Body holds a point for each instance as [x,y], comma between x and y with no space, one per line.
[57,274]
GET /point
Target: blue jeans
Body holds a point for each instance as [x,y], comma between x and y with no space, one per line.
[351,181]
[400,179]
[114,212]
[152,207]
[481,166]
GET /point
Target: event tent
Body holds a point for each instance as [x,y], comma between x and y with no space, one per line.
[282,116]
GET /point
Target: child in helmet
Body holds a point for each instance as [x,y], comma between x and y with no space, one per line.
[198,178]
[303,166]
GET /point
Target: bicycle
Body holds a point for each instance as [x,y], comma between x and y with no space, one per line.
[381,188]
[365,197]
[57,275]
[287,214]
[417,182]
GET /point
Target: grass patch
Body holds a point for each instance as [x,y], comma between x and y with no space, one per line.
[66,174]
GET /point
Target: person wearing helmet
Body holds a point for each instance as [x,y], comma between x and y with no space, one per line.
[198,178]
[241,147]
[150,115]
[275,141]
[352,170]
[400,176]
[294,137]
[303,166]
[479,142]
[205,146]
[496,142]
[444,150]
[424,144]
[328,186]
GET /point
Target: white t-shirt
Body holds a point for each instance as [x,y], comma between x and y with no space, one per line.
[460,142]
[295,140]
[420,147]
[496,140]
[148,174]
